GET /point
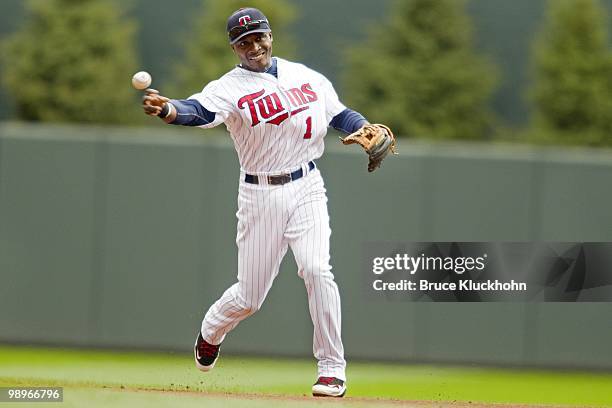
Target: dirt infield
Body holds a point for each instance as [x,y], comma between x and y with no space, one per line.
[308,400]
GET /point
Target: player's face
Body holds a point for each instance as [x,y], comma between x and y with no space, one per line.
[255,51]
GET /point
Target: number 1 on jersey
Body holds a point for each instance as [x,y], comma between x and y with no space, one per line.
[308,133]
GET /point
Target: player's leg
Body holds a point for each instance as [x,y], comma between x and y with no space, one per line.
[246,296]
[261,247]
[308,234]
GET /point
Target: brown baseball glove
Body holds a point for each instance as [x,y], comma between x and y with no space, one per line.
[377,140]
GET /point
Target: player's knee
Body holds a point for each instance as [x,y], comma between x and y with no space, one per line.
[250,309]
[247,307]
[321,271]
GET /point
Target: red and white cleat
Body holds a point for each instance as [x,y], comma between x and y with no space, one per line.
[329,387]
[205,354]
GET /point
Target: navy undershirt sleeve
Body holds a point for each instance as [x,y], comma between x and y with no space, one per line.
[348,121]
[190,112]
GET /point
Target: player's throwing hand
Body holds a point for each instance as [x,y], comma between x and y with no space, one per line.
[153,102]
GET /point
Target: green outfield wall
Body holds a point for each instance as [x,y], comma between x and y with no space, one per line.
[123,238]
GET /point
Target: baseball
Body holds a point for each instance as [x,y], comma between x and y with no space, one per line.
[141,80]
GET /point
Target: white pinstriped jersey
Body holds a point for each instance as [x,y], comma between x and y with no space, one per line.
[277,124]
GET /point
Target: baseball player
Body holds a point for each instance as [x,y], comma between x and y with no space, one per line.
[277,113]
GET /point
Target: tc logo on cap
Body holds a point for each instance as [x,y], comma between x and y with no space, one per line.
[244,20]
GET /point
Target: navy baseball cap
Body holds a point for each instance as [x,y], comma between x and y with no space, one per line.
[246,21]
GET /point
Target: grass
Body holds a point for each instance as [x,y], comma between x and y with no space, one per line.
[113,379]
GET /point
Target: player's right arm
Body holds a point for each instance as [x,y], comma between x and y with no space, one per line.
[186,112]
[205,109]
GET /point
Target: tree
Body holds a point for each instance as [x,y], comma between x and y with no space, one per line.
[419,73]
[572,95]
[208,54]
[72,62]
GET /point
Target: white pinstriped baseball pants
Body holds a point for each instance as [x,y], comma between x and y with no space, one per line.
[270,219]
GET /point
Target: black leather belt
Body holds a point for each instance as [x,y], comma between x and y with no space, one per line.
[279,179]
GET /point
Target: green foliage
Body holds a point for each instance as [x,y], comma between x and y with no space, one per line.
[207,51]
[572,95]
[418,73]
[72,62]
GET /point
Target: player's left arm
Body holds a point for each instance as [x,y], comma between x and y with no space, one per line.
[340,117]
[377,140]
[348,121]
